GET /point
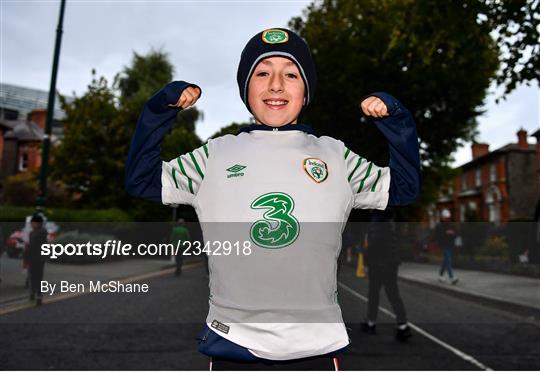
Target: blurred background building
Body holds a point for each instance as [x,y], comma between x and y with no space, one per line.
[495,186]
[22,124]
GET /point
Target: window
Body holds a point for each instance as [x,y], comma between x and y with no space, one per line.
[23,162]
[462,211]
[463,182]
[478,178]
[492,173]
[451,188]
[8,114]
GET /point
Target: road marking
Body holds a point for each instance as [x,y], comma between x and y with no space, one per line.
[454,350]
[61,297]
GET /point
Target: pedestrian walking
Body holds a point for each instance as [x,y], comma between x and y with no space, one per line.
[383,263]
[179,234]
[445,237]
[36,261]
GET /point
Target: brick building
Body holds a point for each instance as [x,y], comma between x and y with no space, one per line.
[21,143]
[22,125]
[495,186]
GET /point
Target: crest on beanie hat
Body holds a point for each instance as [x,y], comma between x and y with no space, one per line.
[275,36]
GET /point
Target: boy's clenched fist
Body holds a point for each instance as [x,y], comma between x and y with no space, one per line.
[189,96]
[374,106]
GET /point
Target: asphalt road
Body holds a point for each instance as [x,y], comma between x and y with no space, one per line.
[157,330]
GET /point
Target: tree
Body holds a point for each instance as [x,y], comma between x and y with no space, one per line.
[182,137]
[87,160]
[98,129]
[433,56]
[137,83]
[514,25]
[232,128]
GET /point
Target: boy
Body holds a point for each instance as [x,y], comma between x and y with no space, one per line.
[277,301]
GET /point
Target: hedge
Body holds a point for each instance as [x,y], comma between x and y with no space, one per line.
[18,214]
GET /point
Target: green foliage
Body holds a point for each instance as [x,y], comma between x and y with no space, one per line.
[89,158]
[495,246]
[18,214]
[20,189]
[88,215]
[144,77]
[98,127]
[182,137]
[515,26]
[232,128]
[10,213]
[433,56]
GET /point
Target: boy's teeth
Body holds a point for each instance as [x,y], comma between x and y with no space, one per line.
[276,102]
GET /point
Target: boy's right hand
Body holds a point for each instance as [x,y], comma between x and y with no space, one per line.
[189,96]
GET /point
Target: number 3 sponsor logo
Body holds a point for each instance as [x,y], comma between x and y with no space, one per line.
[278,228]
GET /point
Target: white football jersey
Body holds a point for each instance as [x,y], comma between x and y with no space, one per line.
[287,195]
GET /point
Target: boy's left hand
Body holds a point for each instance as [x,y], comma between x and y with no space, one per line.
[374,107]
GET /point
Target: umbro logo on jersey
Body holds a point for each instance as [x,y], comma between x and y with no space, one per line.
[235,171]
[316,169]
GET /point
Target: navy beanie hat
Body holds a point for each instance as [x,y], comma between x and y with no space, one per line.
[276,42]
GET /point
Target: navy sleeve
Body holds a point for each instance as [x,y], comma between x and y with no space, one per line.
[143,167]
[400,130]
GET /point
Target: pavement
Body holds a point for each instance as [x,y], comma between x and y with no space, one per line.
[508,290]
[511,291]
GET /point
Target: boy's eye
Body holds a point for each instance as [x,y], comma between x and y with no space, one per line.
[262,73]
[291,75]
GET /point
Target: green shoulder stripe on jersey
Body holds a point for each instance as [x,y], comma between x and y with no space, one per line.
[190,183]
[347,153]
[205,150]
[365,177]
[355,168]
[196,165]
[377,180]
[174,177]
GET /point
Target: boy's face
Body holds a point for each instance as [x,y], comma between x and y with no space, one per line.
[276,92]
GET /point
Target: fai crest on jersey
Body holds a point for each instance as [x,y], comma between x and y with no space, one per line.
[316,169]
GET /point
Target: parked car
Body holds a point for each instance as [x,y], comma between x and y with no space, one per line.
[17,242]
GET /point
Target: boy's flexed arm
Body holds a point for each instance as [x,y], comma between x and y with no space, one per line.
[144,163]
[398,126]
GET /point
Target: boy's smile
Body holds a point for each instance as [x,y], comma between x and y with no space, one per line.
[276,92]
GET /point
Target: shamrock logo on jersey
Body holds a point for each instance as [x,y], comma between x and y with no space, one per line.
[316,169]
[278,228]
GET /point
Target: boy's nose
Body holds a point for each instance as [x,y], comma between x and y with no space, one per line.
[276,84]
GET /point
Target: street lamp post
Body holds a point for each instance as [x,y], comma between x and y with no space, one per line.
[40,202]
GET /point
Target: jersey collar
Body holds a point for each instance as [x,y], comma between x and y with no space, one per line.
[301,127]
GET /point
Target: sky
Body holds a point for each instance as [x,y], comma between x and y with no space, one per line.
[204,40]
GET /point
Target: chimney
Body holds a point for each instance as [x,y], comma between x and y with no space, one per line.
[522,139]
[479,149]
[39,116]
